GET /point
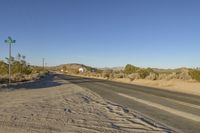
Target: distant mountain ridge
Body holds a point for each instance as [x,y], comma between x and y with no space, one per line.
[76,66]
[120,68]
[169,70]
[113,68]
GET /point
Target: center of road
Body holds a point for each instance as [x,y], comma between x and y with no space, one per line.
[168,109]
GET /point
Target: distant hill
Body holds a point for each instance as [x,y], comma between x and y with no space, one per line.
[113,68]
[130,71]
[169,70]
[73,66]
[76,66]
[118,68]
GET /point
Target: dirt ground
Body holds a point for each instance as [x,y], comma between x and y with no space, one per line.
[189,87]
[54,105]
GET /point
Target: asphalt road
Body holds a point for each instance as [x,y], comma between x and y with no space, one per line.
[177,110]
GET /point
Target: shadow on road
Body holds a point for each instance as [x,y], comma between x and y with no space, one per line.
[46,82]
[79,80]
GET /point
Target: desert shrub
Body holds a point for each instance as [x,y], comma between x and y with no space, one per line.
[93,74]
[20,67]
[98,75]
[162,76]
[3,68]
[195,74]
[130,69]
[171,76]
[18,77]
[119,75]
[99,71]
[107,74]
[20,70]
[75,71]
[134,76]
[16,67]
[111,75]
[90,69]
[143,73]
[167,76]
[27,70]
[152,76]
[37,70]
[183,74]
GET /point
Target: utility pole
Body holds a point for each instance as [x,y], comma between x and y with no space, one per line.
[10,41]
[43,61]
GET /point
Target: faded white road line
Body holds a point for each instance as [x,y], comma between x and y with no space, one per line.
[168,109]
[172,100]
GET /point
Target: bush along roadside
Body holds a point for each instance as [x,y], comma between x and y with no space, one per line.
[195,74]
[20,70]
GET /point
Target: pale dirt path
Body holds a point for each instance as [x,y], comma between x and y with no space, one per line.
[65,108]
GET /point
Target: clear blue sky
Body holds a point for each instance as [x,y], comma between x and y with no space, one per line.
[147,33]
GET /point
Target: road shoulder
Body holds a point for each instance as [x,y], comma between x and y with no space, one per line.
[66,107]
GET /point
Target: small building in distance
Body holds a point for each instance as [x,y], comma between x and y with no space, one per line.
[81,70]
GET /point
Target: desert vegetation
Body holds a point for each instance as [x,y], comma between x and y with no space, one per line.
[20,70]
[195,74]
[132,73]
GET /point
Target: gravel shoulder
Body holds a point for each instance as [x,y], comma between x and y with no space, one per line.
[56,105]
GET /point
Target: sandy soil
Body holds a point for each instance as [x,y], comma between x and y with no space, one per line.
[190,87]
[59,106]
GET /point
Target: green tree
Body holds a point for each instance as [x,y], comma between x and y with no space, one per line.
[129,69]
